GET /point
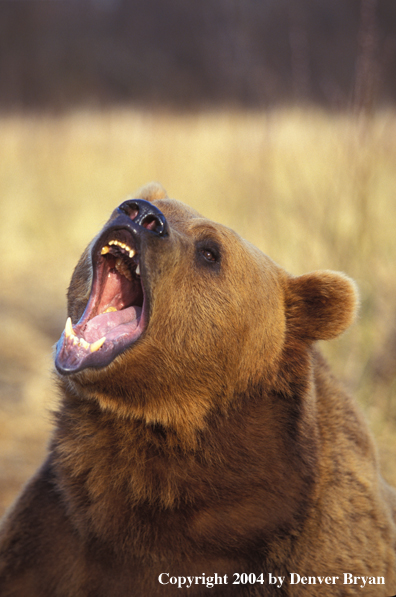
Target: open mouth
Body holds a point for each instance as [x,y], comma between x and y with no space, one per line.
[115,315]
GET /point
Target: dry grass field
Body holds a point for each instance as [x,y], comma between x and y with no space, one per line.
[314,190]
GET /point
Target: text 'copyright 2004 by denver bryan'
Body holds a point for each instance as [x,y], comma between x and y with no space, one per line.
[270,579]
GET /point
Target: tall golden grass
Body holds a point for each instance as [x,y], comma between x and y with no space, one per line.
[314,190]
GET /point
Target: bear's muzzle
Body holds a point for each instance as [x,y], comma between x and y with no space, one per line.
[116,314]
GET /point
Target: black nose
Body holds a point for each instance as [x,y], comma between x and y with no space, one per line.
[145,214]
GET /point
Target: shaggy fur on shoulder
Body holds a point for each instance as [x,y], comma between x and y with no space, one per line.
[200,433]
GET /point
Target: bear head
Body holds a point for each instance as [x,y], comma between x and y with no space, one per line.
[172,315]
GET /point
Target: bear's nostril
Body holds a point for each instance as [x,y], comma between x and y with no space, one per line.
[151,223]
[130,209]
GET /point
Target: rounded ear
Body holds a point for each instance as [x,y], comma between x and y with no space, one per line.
[150,192]
[320,305]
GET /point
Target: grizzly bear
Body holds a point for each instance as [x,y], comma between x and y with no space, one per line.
[201,446]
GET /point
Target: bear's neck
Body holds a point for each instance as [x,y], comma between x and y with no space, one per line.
[249,478]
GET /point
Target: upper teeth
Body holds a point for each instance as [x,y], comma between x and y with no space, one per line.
[120,265]
[122,268]
[106,249]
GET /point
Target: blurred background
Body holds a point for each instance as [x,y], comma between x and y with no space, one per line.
[275,117]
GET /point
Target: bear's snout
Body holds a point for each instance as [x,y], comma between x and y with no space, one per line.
[116,313]
[145,214]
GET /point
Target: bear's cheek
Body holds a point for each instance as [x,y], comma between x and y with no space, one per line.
[217,321]
[263,324]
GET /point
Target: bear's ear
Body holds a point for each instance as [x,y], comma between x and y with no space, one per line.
[151,192]
[320,305]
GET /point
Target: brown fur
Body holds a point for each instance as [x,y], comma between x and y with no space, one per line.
[219,442]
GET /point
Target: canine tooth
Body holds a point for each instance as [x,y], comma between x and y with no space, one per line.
[105,250]
[69,328]
[138,269]
[96,345]
[131,253]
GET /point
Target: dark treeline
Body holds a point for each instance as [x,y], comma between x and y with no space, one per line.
[57,53]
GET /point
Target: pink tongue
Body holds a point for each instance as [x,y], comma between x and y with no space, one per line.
[100,326]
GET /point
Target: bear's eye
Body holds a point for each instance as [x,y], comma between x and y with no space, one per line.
[208,254]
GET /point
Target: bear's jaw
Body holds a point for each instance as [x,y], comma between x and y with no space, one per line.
[115,316]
